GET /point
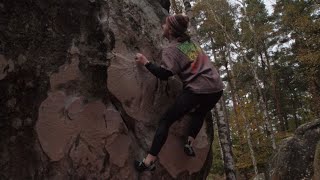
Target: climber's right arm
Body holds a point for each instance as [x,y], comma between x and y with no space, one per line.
[158,71]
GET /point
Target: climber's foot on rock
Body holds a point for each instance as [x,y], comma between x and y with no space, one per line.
[141,166]
[189,150]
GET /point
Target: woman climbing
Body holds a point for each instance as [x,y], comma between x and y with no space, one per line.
[202,86]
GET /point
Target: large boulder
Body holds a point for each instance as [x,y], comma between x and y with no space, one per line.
[296,157]
[75,105]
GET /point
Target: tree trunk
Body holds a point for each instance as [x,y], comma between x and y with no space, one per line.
[193,25]
[252,154]
[254,72]
[236,99]
[296,120]
[226,117]
[223,132]
[314,90]
[249,141]
[231,84]
[263,103]
[276,96]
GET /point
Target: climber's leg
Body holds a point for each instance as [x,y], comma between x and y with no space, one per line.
[208,101]
[183,104]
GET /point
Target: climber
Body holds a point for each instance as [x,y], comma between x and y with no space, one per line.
[202,86]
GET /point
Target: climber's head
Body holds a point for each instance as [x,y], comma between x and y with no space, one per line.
[175,27]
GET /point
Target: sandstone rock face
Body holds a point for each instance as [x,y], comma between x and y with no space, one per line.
[75,105]
[297,157]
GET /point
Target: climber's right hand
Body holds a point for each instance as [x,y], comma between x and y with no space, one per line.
[141,59]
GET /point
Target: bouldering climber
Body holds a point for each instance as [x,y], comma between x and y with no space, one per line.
[202,86]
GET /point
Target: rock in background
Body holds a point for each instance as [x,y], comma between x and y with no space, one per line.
[74,104]
[297,157]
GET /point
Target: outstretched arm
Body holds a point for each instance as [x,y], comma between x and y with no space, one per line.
[155,69]
[158,71]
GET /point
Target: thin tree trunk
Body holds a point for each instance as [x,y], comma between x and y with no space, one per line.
[256,124]
[254,72]
[285,117]
[236,100]
[231,84]
[258,82]
[193,24]
[296,121]
[252,154]
[248,133]
[264,79]
[262,101]
[223,132]
[275,92]
[249,141]
[314,89]
[224,135]
[265,84]
[226,117]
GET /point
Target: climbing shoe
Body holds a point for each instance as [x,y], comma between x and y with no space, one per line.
[140,166]
[188,149]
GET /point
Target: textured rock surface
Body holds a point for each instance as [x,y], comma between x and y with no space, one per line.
[74,105]
[296,157]
[316,164]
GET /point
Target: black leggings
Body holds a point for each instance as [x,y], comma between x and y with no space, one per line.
[201,103]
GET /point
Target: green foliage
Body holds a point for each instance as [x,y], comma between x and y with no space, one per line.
[255,14]
[300,20]
[208,11]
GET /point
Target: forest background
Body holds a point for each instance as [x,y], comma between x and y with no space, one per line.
[268,53]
